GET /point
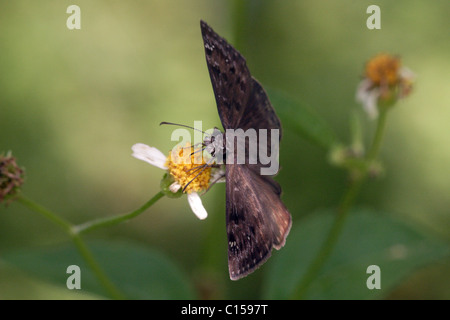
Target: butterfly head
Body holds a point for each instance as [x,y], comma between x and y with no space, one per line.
[213,143]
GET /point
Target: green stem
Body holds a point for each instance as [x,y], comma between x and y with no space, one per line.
[75,233]
[64,224]
[342,212]
[95,267]
[331,240]
[109,221]
[381,124]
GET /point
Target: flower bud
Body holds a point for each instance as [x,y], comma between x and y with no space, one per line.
[167,187]
[11,177]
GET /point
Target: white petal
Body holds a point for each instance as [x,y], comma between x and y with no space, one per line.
[174,187]
[407,74]
[149,154]
[370,104]
[368,97]
[363,89]
[196,205]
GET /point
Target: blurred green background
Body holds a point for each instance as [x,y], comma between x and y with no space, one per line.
[73,102]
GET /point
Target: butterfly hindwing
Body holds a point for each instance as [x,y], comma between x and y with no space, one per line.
[256,220]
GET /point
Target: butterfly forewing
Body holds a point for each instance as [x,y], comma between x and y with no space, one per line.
[256,219]
[241,100]
[230,77]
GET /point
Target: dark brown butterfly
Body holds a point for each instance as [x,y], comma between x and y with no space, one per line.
[256,219]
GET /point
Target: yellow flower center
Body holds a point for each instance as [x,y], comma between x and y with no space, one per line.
[188,167]
[383,69]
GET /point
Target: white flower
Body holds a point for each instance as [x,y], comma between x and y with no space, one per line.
[182,174]
[386,81]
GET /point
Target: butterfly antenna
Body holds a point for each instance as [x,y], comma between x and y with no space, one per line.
[181,125]
[198,150]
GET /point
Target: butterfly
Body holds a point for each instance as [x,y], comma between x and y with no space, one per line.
[256,218]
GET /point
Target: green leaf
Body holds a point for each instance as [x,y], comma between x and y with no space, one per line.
[138,272]
[368,238]
[300,118]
